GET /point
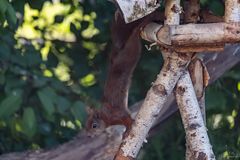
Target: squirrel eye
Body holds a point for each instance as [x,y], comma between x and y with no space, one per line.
[94,125]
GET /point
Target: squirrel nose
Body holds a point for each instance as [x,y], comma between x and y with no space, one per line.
[94,125]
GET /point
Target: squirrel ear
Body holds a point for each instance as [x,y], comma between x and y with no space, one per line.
[118,15]
[89,110]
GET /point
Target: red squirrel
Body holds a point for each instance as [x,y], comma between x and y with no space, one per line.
[124,56]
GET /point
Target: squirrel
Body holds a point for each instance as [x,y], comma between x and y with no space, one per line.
[124,56]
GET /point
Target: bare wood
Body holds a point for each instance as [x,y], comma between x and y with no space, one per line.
[84,147]
[195,129]
[197,34]
[193,35]
[150,33]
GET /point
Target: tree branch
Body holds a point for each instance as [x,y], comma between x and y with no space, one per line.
[193,36]
[196,133]
[174,66]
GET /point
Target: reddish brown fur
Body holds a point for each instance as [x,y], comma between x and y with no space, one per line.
[125,53]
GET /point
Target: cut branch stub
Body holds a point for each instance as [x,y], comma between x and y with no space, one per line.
[193,37]
[136,9]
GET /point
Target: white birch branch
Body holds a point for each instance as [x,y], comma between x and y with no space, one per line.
[135,9]
[174,66]
[232,11]
[191,15]
[152,105]
[196,133]
[193,35]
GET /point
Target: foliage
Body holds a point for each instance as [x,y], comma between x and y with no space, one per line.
[49,68]
[53,60]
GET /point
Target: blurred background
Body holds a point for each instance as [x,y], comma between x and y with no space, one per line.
[53,63]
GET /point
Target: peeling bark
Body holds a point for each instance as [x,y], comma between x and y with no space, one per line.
[200,79]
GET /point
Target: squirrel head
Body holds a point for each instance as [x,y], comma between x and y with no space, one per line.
[94,123]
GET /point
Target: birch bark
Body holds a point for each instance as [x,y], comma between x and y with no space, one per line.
[174,66]
[196,133]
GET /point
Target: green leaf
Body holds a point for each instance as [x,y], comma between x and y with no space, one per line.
[5,51]
[217,7]
[10,104]
[50,141]
[232,74]
[2,78]
[29,122]
[40,82]
[238,86]
[19,59]
[47,97]
[12,82]
[62,104]
[15,126]
[79,111]
[33,58]
[19,5]
[3,6]
[11,16]
[215,99]
[2,19]
[203,2]
[45,128]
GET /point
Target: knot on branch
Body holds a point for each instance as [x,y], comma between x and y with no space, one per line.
[159,89]
[194,126]
[180,90]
